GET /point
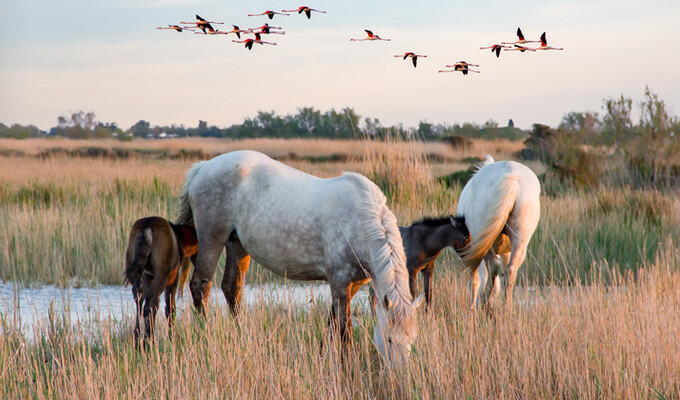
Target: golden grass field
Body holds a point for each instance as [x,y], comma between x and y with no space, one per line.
[598,316]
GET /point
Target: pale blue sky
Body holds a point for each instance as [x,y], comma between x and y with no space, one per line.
[58,57]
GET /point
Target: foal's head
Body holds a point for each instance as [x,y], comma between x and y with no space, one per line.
[459,236]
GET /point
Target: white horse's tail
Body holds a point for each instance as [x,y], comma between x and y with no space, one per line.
[498,209]
[186,215]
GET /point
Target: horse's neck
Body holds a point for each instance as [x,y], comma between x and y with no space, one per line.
[432,239]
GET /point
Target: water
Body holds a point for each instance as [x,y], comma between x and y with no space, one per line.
[27,307]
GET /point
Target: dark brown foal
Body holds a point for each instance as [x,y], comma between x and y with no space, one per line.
[157,253]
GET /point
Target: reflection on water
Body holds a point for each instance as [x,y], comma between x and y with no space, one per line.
[27,306]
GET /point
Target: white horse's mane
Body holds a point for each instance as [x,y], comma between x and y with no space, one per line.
[380,225]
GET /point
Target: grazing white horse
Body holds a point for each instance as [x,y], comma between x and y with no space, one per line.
[501,207]
[305,228]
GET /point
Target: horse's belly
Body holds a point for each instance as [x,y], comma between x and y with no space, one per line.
[294,259]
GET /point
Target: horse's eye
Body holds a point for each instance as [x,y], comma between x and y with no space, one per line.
[389,340]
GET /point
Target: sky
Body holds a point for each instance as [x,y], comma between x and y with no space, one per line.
[106,56]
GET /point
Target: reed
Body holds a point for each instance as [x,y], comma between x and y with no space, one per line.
[584,341]
[65,220]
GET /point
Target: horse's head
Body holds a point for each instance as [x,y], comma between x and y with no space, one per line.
[395,330]
[460,235]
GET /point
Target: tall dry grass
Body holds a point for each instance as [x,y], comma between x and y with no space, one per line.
[65,220]
[587,342]
[603,323]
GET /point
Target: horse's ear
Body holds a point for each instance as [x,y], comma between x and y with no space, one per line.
[418,302]
[387,303]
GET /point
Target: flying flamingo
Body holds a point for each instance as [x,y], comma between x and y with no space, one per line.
[544,44]
[521,39]
[268,13]
[519,48]
[461,66]
[249,42]
[413,56]
[495,48]
[236,30]
[176,28]
[266,29]
[202,24]
[370,36]
[306,10]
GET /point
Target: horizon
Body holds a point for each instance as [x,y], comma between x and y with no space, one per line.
[114,62]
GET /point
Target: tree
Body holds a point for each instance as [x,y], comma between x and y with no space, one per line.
[141,129]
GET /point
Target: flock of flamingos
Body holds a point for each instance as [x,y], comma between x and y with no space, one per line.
[204,27]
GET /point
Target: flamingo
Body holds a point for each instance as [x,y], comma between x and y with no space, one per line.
[249,42]
[266,29]
[202,24]
[521,39]
[544,44]
[519,48]
[306,10]
[461,66]
[235,30]
[495,48]
[176,28]
[268,13]
[370,36]
[413,56]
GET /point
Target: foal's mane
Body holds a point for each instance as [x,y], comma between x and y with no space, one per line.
[438,221]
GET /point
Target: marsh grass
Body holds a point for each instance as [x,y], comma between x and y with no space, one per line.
[584,341]
[596,314]
[65,220]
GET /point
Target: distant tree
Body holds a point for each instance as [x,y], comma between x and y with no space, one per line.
[425,130]
[79,125]
[17,131]
[617,122]
[490,124]
[141,129]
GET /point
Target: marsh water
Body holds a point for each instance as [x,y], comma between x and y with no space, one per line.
[26,307]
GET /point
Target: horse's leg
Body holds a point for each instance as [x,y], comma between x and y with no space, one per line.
[340,318]
[235,270]
[491,264]
[475,282]
[209,252]
[519,252]
[152,296]
[139,302]
[412,278]
[427,279]
[170,307]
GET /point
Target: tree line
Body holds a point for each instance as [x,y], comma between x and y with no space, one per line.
[306,123]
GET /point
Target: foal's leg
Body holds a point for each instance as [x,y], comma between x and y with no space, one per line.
[235,270]
[151,300]
[139,302]
[170,306]
[427,279]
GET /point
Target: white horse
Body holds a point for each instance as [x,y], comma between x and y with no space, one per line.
[301,227]
[501,207]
